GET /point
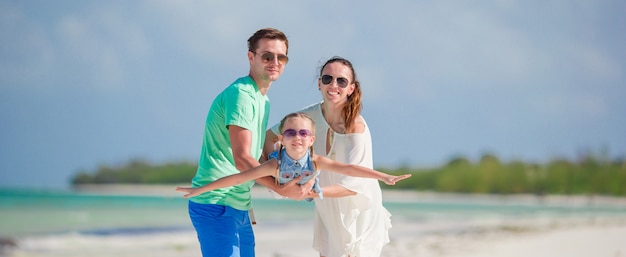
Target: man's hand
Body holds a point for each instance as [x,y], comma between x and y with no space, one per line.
[294,191]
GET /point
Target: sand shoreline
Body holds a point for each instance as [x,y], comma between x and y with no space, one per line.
[574,240]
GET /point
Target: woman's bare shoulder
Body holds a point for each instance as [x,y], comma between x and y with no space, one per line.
[358,126]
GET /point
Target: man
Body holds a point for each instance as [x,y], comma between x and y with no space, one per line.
[233,140]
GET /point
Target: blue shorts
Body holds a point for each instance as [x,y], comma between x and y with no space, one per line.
[223,231]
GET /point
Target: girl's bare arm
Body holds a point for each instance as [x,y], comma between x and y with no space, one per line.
[357,171]
[266,169]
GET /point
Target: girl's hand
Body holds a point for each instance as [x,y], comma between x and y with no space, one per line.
[391,180]
[191,192]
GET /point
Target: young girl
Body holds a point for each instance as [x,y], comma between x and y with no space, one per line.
[296,159]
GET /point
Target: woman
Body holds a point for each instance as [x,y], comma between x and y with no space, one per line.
[350,220]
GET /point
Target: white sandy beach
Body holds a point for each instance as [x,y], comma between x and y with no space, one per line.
[544,237]
[584,241]
[576,241]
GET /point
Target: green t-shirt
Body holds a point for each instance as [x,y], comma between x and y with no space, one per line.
[243,105]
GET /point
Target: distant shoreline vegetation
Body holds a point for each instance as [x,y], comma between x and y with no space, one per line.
[588,176]
[138,172]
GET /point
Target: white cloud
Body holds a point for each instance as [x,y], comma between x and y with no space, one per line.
[85,48]
[26,51]
[572,106]
[594,62]
[93,49]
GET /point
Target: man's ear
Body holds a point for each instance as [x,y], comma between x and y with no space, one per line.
[250,56]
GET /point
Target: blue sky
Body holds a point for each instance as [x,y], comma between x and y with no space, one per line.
[89,83]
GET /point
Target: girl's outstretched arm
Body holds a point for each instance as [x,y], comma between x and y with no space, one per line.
[268,168]
[356,170]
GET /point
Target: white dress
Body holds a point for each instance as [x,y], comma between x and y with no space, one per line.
[355,226]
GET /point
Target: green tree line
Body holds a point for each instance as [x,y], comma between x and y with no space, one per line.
[588,176]
[138,172]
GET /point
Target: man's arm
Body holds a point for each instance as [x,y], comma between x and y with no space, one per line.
[241,142]
[270,142]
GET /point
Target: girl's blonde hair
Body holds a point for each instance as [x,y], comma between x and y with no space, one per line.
[296,115]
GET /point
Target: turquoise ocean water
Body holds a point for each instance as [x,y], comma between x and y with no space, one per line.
[26,213]
[37,212]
